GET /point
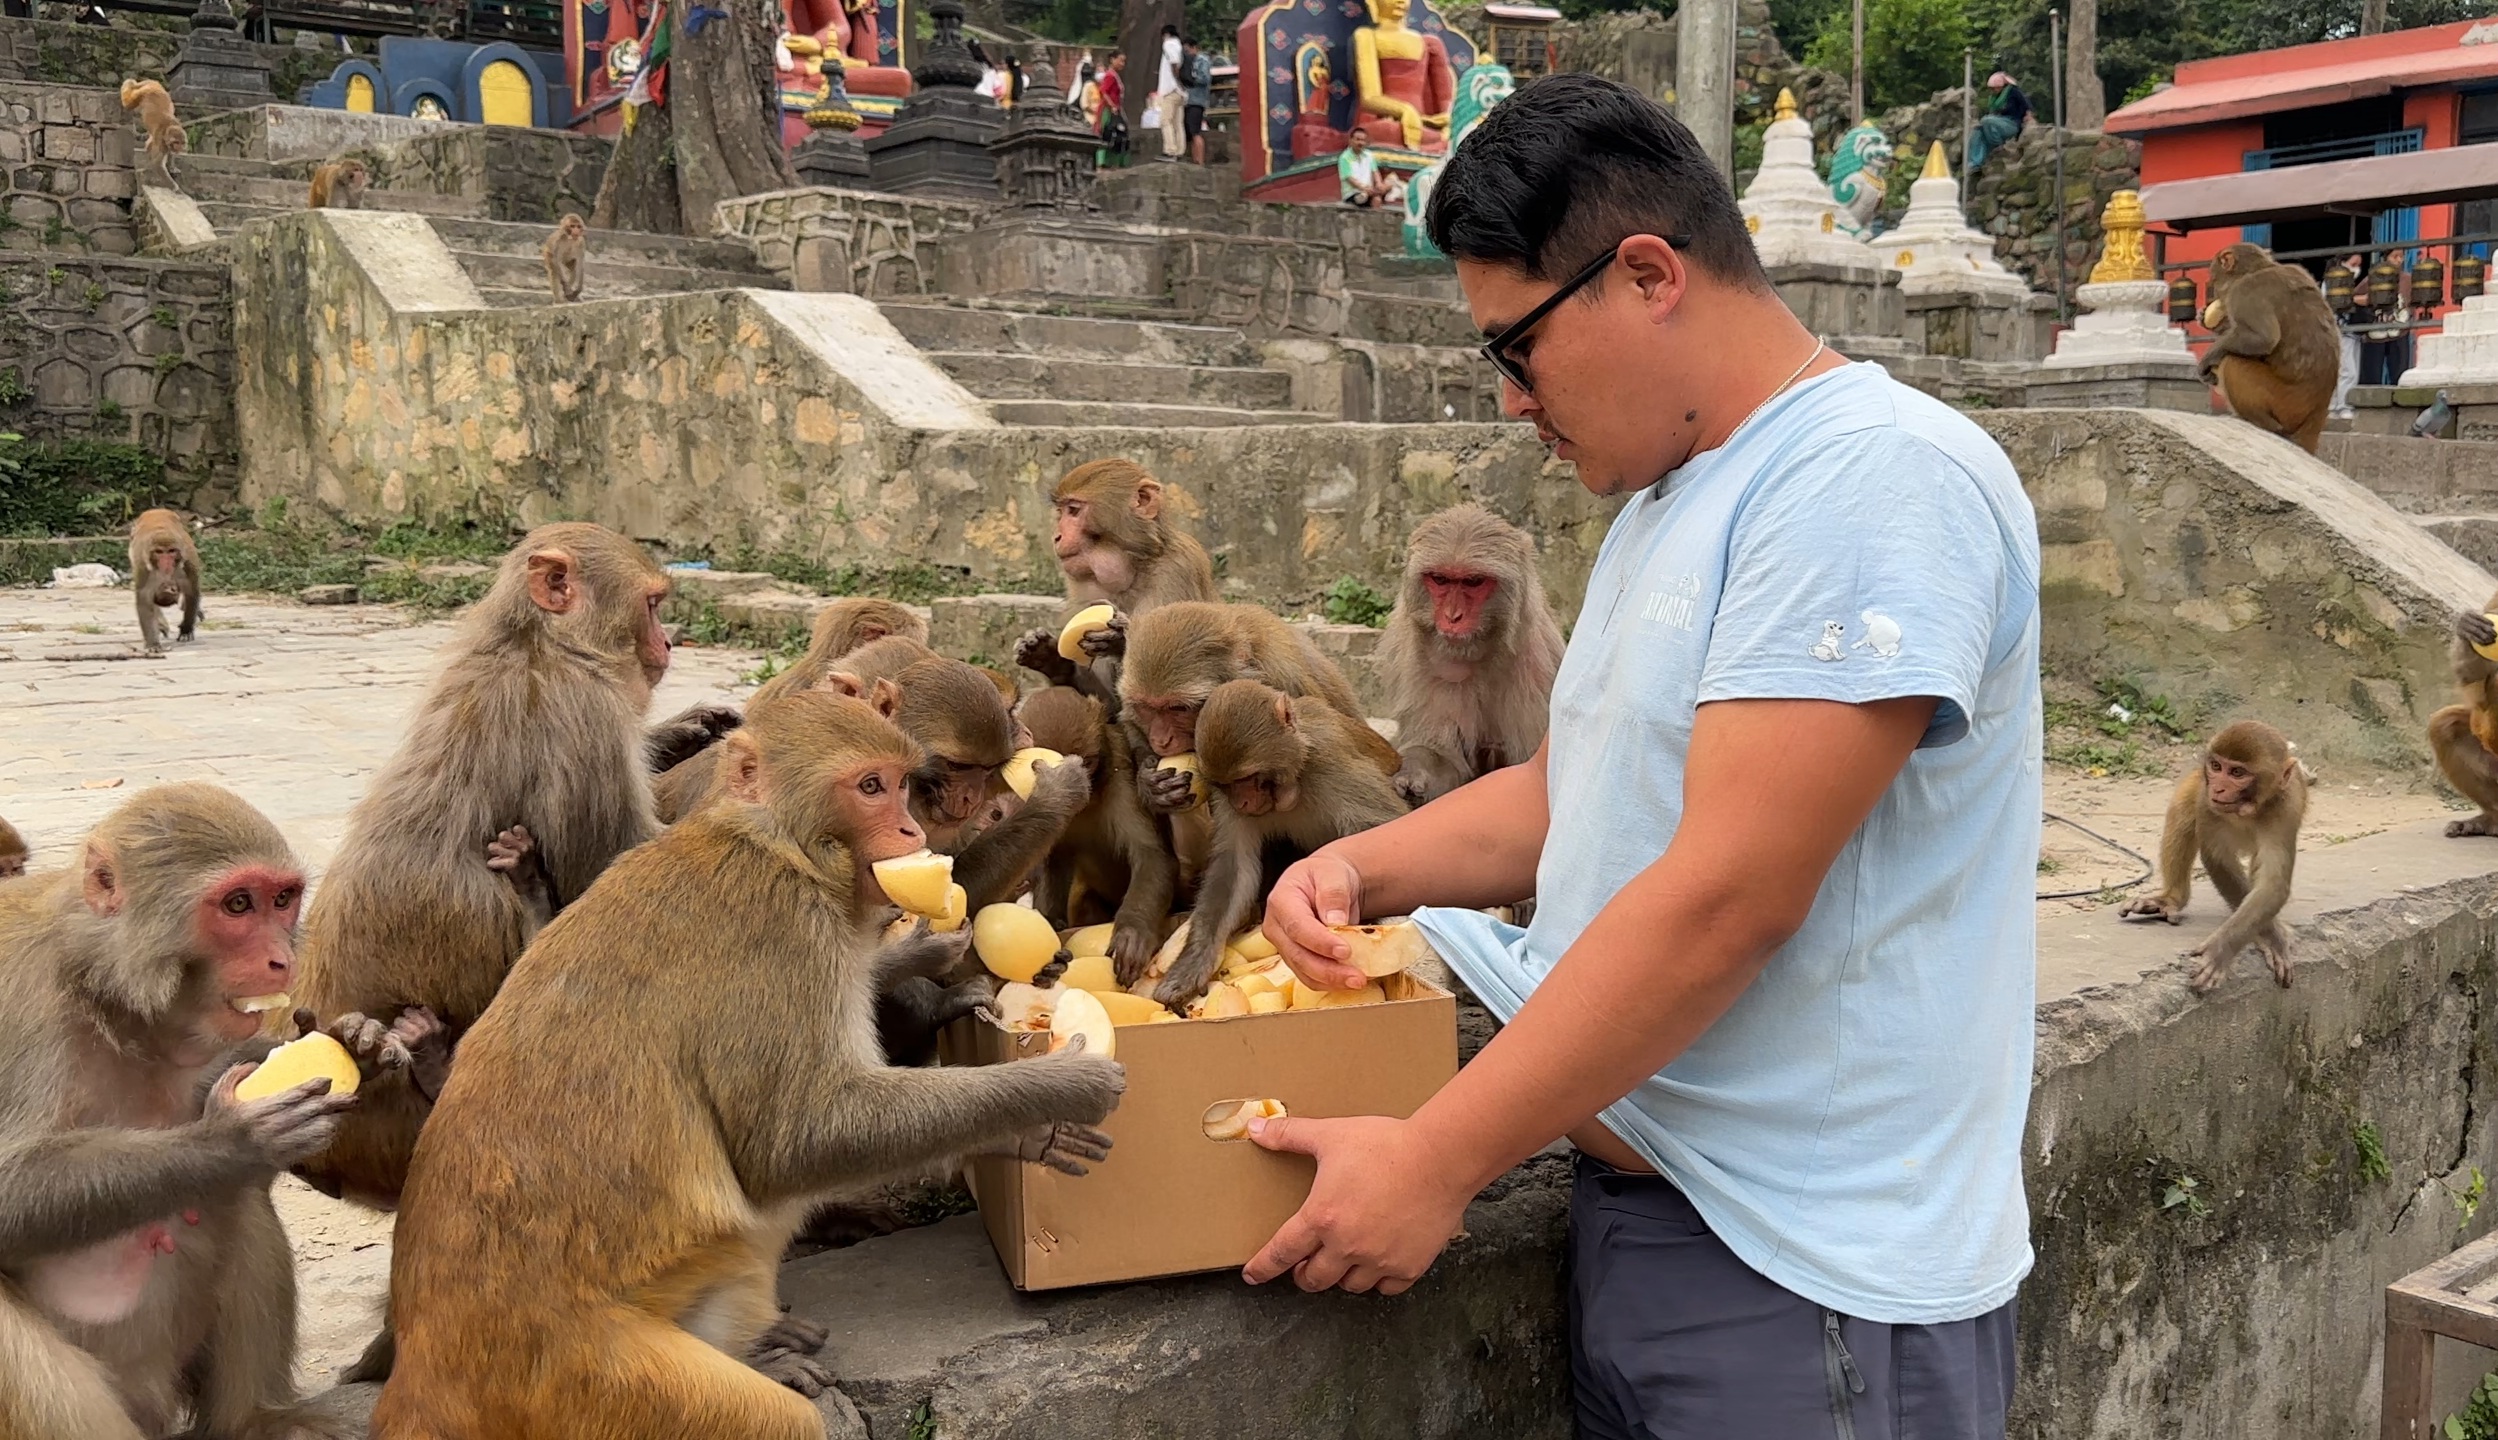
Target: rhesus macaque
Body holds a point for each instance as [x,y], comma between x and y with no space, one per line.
[1470,652]
[2278,350]
[143,1275]
[1114,847]
[164,570]
[13,852]
[841,627]
[523,773]
[562,253]
[1116,541]
[960,721]
[2241,812]
[1178,654]
[339,185]
[2465,736]
[165,137]
[722,982]
[1289,776]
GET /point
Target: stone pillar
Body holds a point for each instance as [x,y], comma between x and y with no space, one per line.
[939,144]
[216,68]
[1704,77]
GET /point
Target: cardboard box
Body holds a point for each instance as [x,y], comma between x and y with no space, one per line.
[1169,1201]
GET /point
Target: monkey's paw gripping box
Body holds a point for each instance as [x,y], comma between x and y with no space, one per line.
[1170,1201]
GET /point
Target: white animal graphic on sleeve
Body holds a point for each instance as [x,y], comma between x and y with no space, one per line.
[1882,634]
[1832,632]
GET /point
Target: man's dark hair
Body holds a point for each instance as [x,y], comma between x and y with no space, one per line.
[1188,42]
[1170,29]
[1572,164]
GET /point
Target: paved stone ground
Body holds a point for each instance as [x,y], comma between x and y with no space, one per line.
[291,707]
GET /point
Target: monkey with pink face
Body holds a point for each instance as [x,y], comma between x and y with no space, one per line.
[1470,652]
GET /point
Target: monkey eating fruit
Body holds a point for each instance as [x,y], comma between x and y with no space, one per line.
[316,1056]
[917,882]
[1017,771]
[2277,350]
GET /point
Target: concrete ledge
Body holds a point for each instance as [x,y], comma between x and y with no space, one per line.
[2420,477]
[170,222]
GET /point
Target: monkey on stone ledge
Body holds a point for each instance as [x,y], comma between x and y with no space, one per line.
[2276,349]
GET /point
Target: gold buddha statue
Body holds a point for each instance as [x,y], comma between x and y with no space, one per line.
[1404,80]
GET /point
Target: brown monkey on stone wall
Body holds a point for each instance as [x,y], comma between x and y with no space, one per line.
[2240,811]
[13,852]
[164,570]
[144,1279]
[626,1288]
[2465,736]
[1116,541]
[562,253]
[165,138]
[2278,349]
[339,185]
[1469,653]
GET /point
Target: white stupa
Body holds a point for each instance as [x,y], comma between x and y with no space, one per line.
[1790,212]
[2127,324]
[2467,353]
[1934,248]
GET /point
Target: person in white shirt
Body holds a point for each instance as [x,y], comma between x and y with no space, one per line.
[1167,98]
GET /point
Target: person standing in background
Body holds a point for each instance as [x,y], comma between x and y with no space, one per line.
[1114,121]
[1168,101]
[1196,92]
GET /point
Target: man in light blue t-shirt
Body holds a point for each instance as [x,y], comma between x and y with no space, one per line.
[1782,837]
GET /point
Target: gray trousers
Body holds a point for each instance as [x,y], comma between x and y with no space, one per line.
[1674,1338]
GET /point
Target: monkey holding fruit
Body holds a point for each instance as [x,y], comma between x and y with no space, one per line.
[562,253]
[2465,736]
[165,138]
[2276,349]
[2241,812]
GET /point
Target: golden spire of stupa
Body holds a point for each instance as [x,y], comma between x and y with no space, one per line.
[1937,168]
[1786,106]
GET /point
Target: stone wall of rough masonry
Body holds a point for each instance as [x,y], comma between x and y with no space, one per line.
[65,157]
[855,242]
[520,174]
[139,351]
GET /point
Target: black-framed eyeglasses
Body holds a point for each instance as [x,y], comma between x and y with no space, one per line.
[1496,349]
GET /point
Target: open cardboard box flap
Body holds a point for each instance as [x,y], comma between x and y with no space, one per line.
[1169,1201]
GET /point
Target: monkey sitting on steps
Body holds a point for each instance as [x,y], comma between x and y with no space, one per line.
[2241,811]
[2276,349]
[339,185]
[562,253]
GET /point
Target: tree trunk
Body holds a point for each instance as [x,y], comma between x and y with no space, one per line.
[2085,99]
[718,137]
[1140,39]
[2371,19]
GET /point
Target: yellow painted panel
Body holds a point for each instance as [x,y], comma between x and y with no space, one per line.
[503,94]
[360,94]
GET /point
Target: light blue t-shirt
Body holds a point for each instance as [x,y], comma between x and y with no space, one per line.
[1851,1128]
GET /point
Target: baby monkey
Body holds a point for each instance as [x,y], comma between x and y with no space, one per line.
[2241,812]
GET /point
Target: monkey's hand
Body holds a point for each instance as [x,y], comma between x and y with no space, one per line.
[1037,652]
[371,1044]
[1131,950]
[1061,787]
[1108,643]
[923,952]
[429,1043]
[2473,628]
[681,736]
[2155,907]
[795,1368]
[1067,1148]
[286,1128]
[1082,1087]
[507,850]
[1167,792]
[2215,957]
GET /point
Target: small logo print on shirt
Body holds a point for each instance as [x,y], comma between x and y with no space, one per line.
[1830,646]
[1882,635]
[1675,604]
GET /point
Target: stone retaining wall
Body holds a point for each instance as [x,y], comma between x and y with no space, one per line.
[58,53]
[515,173]
[130,350]
[65,158]
[854,242]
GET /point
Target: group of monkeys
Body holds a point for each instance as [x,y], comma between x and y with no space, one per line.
[336,184]
[548,922]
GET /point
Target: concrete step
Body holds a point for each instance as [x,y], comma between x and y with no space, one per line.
[1101,412]
[276,192]
[2473,536]
[604,277]
[229,216]
[1039,377]
[1410,320]
[516,238]
[960,328]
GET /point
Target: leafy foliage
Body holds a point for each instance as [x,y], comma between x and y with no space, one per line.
[75,487]
[1350,602]
[2478,1419]
[1912,47]
[2370,1143]
[2181,1195]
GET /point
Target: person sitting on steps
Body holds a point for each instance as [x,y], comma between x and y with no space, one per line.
[1361,180]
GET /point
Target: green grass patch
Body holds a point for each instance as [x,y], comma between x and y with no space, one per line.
[75,487]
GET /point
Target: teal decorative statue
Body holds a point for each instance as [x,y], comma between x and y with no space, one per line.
[1484,85]
[1856,177]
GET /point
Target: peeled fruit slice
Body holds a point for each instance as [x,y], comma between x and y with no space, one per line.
[1084,622]
[1088,940]
[1229,1119]
[1186,764]
[313,1057]
[1221,1001]
[1017,771]
[918,883]
[2488,652]
[1170,952]
[1385,949]
[1013,941]
[1269,1002]
[957,910]
[1080,1012]
[1253,945]
[1253,985]
[1308,997]
[1089,972]
[1126,1009]
[1019,1006]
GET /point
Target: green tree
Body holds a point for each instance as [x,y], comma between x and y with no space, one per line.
[1912,48]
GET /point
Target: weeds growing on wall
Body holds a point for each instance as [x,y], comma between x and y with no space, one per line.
[1351,602]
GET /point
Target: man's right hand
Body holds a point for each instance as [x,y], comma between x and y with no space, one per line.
[1320,891]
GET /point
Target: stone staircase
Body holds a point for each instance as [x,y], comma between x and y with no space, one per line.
[231,193]
[1036,367]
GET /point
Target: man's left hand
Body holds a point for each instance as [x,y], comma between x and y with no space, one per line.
[1381,1210]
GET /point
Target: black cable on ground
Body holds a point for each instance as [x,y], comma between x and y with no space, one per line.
[2137,855]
